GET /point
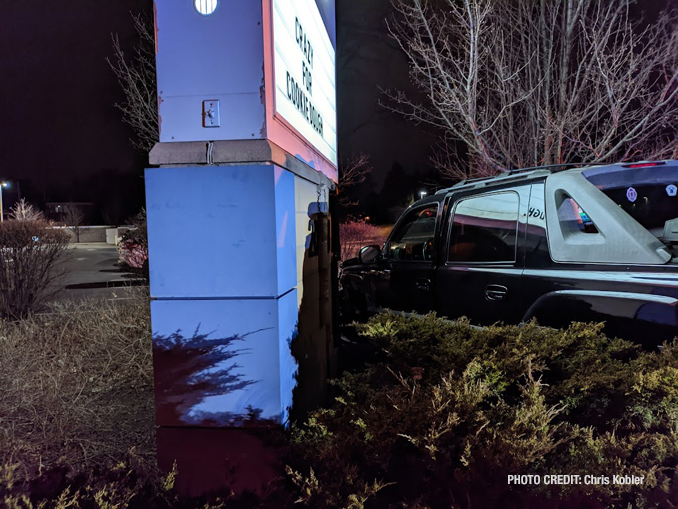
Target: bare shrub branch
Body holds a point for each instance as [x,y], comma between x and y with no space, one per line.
[31,256]
[352,171]
[74,218]
[356,234]
[137,77]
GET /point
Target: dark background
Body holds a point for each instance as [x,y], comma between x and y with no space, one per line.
[60,135]
[62,138]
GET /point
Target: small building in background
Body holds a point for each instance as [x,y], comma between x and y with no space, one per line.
[69,212]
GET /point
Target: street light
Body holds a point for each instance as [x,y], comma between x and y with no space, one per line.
[422,194]
[2,212]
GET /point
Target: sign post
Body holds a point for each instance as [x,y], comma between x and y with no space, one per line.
[238,227]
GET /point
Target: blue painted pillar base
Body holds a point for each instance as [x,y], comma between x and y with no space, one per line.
[225,309]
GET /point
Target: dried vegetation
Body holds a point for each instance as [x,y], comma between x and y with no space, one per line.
[76,386]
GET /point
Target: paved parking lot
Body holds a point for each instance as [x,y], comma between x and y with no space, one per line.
[93,272]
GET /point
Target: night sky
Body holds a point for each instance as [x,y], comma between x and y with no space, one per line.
[60,134]
[367,60]
[63,139]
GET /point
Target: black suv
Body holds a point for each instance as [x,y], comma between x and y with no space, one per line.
[588,244]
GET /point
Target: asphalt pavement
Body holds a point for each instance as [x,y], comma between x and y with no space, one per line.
[93,272]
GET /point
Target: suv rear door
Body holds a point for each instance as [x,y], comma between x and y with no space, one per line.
[481,271]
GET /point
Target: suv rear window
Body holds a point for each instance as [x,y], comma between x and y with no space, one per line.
[648,194]
[573,218]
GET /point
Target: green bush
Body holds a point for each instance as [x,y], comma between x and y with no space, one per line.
[451,410]
[122,485]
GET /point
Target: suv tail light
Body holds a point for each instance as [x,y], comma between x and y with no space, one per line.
[643,165]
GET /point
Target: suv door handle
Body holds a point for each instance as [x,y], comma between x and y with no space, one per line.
[423,284]
[495,292]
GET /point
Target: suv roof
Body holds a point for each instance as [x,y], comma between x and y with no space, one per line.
[539,171]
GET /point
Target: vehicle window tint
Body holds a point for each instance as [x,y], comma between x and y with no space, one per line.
[648,194]
[573,218]
[414,238]
[484,229]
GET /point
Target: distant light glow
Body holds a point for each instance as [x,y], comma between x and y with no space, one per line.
[206,7]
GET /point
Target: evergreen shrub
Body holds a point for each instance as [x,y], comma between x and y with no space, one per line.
[450,411]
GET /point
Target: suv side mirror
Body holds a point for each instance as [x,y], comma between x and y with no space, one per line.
[368,254]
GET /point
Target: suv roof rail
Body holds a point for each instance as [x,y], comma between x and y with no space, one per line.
[517,174]
[502,178]
[550,166]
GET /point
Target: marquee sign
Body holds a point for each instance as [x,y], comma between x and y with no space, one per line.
[305,90]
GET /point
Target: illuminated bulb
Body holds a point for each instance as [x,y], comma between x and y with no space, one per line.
[206,7]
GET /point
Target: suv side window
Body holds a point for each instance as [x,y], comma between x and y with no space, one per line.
[573,218]
[485,228]
[413,240]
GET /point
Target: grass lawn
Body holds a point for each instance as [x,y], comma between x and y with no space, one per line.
[76,386]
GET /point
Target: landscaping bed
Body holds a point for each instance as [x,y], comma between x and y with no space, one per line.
[441,417]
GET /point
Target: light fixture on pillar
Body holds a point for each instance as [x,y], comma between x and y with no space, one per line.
[205,7]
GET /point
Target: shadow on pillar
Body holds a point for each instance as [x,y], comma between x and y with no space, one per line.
[191,370]
[313,347]
[243,452]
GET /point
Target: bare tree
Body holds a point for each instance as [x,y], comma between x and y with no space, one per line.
[524,83]
[24,211]
[74,217]
[352,171]
[137,77]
